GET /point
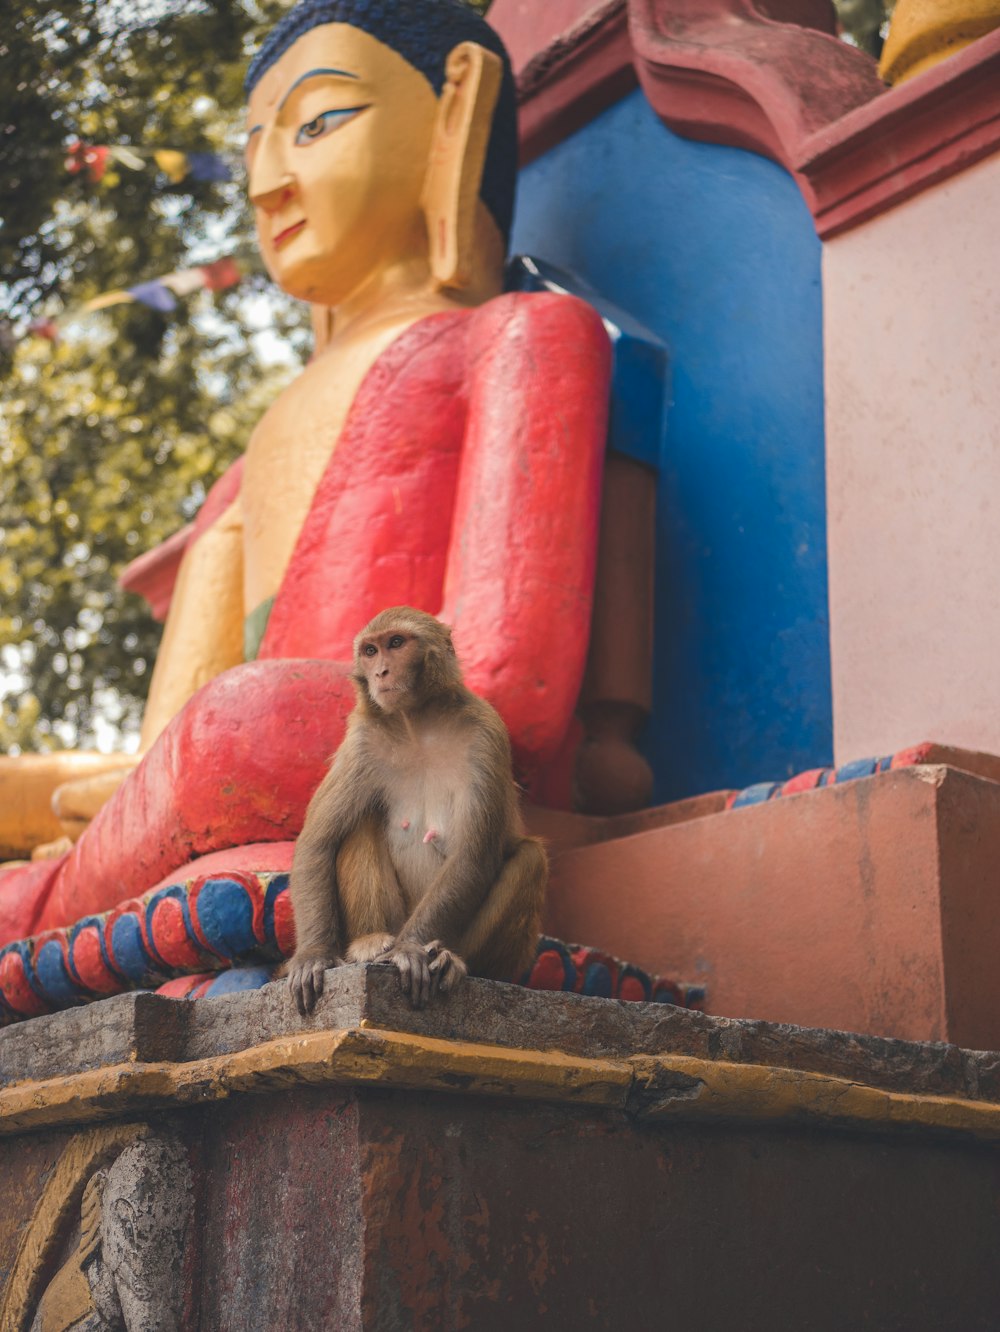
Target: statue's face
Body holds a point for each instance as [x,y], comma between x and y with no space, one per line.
[339,133]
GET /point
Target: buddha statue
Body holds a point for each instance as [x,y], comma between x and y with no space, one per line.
[443,448]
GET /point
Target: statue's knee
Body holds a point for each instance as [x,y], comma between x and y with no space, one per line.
[265,717]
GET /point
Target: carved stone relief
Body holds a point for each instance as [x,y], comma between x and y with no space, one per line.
[125,1272]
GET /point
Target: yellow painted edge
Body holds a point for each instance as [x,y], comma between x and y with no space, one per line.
[351,1057]
[760,1092]
[912,47]
[369,1056]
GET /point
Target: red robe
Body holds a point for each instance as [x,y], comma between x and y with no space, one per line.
[466,482]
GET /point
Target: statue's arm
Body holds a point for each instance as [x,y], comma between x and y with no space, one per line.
[203,635]
[520,573]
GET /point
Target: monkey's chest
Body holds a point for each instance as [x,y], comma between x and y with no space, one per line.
[421,824]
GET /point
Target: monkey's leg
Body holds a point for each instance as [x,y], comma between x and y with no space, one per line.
[372,909]
[500,943]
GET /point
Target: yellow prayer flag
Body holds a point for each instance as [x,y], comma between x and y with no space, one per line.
[109,298]
[172,163]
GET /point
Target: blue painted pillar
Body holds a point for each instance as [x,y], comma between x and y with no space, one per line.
[714,250]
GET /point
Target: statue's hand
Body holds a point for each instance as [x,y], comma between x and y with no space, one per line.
[305,978]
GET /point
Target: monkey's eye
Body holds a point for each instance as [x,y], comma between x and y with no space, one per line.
[397,641]
[369,649]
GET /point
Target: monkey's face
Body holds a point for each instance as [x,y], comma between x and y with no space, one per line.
[390,663]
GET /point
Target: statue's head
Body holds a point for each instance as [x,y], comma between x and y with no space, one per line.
[379,131]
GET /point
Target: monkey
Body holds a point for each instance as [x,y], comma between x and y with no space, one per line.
[413,851]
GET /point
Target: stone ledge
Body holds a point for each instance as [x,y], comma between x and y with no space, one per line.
[138,1052]
[644,1088]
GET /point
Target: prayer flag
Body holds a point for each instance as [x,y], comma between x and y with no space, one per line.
[207,167]
[176,165]
[173,164]
[109,298]
[158,293]
[87,157]
[184,281]
[127,158]
[223,273]
[155,295]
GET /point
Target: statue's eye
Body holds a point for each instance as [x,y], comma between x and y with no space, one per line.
[369,649]
[397,641]
[325,123]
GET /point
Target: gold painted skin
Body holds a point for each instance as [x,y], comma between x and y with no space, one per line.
[344,171]
[925,32]
[27,784]
[339,234]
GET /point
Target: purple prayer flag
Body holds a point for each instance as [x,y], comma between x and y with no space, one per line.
[207,166]
[154,294]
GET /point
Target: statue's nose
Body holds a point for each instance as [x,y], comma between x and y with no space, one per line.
[271,200]
[271,184]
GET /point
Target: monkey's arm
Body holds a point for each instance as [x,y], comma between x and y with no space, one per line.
[344,796]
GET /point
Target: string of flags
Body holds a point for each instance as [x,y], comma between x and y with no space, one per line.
[159,294]
[96,158]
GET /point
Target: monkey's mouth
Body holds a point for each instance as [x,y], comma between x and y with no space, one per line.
[382,690]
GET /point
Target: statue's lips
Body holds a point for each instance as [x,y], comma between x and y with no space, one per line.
[284,236]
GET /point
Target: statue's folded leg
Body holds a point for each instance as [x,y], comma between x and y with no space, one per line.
[24,893]
[239,764]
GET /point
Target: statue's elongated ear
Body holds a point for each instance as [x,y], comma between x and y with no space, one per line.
[458,151]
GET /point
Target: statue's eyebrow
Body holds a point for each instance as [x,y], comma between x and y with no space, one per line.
[312,74]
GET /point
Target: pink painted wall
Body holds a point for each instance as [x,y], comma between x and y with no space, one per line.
[527,27]
[912,346]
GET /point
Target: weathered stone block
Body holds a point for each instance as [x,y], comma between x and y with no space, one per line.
[503,1158]
[871,906]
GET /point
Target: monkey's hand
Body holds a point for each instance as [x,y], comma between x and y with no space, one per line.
[447,968]
[424,969]
[305,978]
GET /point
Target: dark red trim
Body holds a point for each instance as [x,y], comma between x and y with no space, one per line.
[724,71]
[769,76]
[153,574]
[920,133]
[573,79]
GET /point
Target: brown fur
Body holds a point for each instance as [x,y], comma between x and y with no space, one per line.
[413,849]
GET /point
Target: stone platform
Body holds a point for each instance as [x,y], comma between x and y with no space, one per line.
[872,906]
[504,1159]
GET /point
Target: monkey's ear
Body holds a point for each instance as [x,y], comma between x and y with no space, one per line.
[458,152]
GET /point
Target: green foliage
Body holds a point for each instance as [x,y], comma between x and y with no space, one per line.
[864,22]
[100,466]
[109,441]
